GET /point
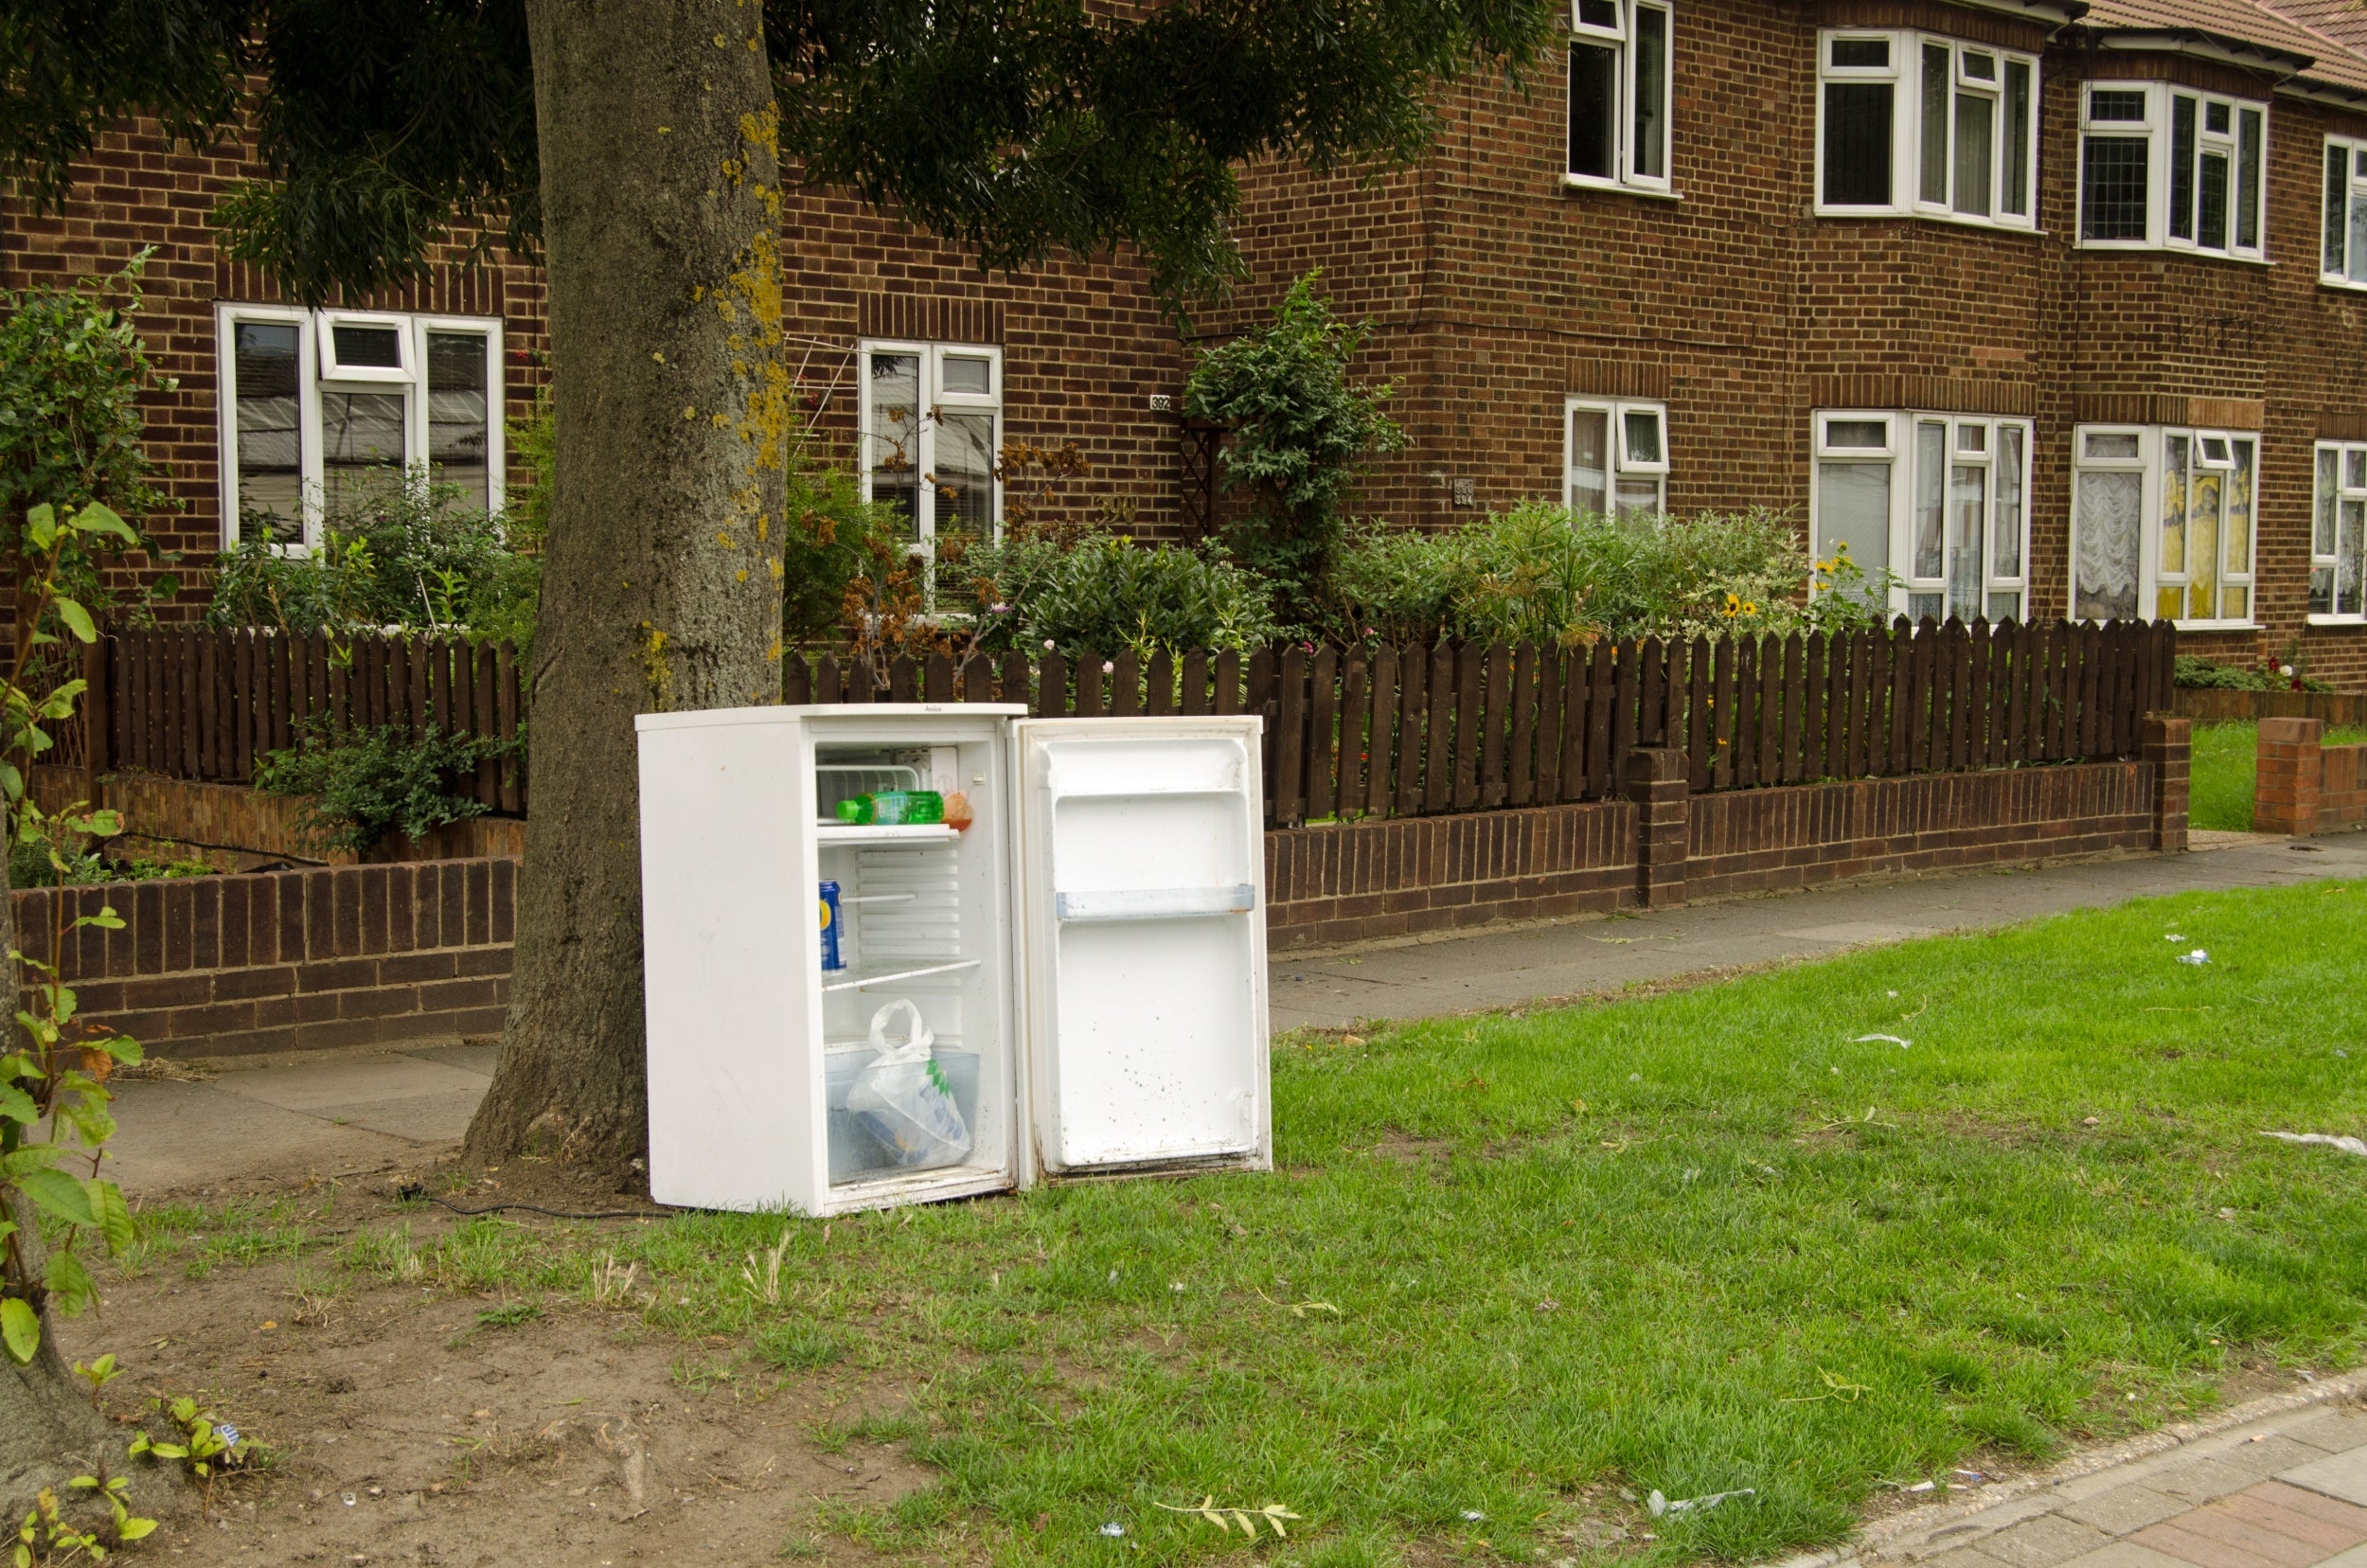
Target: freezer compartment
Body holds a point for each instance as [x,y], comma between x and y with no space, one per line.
[855,1153]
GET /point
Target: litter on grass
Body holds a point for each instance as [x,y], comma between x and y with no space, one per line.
[2197,957]
[1114,1528]
[1894,1039]
[2348,1146]
[2174,936]
[1668,1507]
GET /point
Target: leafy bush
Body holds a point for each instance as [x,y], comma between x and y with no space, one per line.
[366,781]
[1542,573]
[835,540]
[2209,675]
[1302,436]
[1102,593]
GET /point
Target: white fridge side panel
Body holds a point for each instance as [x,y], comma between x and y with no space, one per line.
[730,939]
[1142,872]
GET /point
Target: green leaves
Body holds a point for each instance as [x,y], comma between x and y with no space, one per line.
[20,1330]
[59,1194]
[77,620]
[70,1284]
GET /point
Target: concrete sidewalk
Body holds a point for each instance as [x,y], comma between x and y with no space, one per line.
[353,1113]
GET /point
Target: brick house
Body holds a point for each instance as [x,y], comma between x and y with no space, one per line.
[2047,308]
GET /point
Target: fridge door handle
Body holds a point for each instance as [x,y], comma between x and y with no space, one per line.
[1156,903]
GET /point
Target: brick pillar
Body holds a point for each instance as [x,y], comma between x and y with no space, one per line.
[1656,782]
[2284,788]
[2169,747]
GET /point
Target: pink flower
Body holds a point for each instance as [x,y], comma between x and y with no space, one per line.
[1108,667]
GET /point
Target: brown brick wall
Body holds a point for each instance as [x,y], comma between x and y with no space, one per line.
[290,960]
[2302,786]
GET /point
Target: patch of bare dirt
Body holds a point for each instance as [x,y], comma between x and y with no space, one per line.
[405,1430]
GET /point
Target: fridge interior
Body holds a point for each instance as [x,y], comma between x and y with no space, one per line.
[918,917]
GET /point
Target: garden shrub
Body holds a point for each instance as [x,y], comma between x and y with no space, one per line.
[2210,675]
[1104,593]
[362,782]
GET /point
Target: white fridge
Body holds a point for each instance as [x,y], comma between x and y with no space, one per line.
[1087,956]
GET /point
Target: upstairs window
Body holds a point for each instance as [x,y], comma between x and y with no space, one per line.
[1617,459]
[2342,256]
[2163,168]
[2338,543]
[1935,504]
[1915,125]
[314,402]
[1621,95]
[932,421]
[2162,523]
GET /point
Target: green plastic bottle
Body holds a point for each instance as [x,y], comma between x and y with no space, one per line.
[893,807]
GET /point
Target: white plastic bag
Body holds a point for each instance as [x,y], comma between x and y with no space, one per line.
[900,1098]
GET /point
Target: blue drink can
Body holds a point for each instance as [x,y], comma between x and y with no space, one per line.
[833,960]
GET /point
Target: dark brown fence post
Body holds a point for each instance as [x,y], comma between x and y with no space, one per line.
[1494,709]
[1324,750]
[96,719]
[1413,703]
[1380,741]
[1438,732]
[1522,763]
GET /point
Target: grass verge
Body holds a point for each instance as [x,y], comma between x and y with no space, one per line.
[1707,1241]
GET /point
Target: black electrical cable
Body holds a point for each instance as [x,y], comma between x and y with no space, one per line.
[416,1189]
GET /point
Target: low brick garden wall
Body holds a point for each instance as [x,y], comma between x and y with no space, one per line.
[372,955]
[2304,786]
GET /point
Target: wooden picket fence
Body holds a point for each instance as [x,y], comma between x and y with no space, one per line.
[1358,731]
[1458,727]
[211,705]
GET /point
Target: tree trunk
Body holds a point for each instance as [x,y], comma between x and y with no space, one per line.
[49,1430]
[662,215]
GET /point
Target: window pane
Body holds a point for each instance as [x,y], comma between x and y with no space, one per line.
[967,373]
[458,412]
[1857,432]
[2350,561]
[2358,272]
[2004,607]
[2211,224]
[2122,104]
[1853,512]
[1638,498]
[2105,568]
[2015,198]
[2183,167]
[1976,117]
[1862,53]
[2113,445]
[1857,143]
[2355,469]
[1925,607]
[2175,452]
[1935,82]
[892,445]
[2215,118]
[2112,180]
[2247,178]
[1599,13]
[1967,514]
[1589,460]
[369,347]
[2007,558]
[1594,110]
[1927,548]
[1642,436]
[264,365]
[963,475]
[2205,498]
[2322,590]
[2322,530]
[360,437]
[2236,548]
[1651,93]
[2338,195]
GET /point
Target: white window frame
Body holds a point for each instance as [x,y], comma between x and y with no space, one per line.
[317,376]
[932,396]
[1910,595]
[2342,215]
[2158,130]
[1622,466]
[1625,155]
[2344,463]
[1905,76]
[2152,453]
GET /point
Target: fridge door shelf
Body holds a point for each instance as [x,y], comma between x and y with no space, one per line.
[830,835]
[856,980]
[1156,903]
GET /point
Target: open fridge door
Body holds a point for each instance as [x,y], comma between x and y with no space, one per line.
[1140,868]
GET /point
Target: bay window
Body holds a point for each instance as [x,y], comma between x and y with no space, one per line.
[932,431]
[1916,125]
[1616,459]
[2164,168]
[2338,540]
[2343,254]
[2162,523]
[314,402]
[1621,93]
[1933,507]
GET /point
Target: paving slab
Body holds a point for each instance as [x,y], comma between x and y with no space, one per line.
[2341,1475]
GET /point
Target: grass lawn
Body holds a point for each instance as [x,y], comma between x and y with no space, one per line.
[1694,1243]
[2224,760]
